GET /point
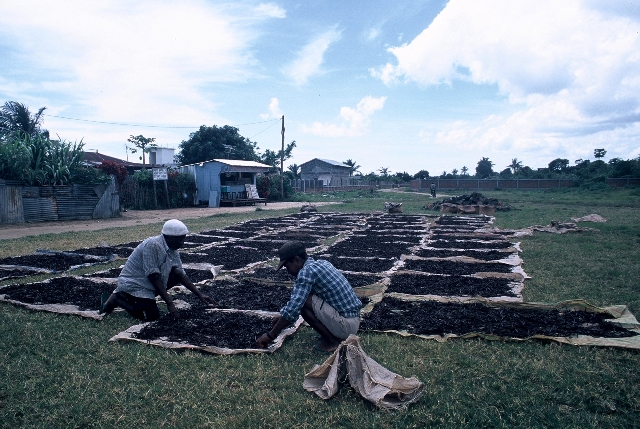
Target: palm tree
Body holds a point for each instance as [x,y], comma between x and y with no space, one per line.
[515,165]
[16,118]
[295,170]
[464,170]
[352,165]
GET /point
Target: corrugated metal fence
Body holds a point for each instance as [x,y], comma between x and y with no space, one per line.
[20,204]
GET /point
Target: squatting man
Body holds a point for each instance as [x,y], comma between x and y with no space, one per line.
[152,269]
[321,294]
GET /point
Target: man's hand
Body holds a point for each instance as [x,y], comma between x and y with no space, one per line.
[208,300]
[173,311]
[263,341]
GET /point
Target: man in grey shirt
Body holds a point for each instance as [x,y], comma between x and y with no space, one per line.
[153,268]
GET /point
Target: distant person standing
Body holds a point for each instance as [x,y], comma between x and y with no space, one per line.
[433,190]
[152,269]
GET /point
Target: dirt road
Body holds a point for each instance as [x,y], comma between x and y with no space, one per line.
[130,218]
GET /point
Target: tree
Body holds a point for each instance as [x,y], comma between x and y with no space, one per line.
[352,166]
[16,118]
[209,143]
[143,143]
[599,153]
[384,172]
[403,177]
[454,172]
[464,170]
[515,165]
[484,168]
[272,158]
[294,169]
[559,165]
[421,175]
[506,173]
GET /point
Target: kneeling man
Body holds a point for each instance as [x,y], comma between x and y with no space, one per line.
[153,268]
[321,294]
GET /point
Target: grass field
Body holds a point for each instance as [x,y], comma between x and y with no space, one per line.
[61,372]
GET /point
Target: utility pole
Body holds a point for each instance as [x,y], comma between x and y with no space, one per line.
[282,163]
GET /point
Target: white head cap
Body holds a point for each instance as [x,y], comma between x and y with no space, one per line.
[174,227]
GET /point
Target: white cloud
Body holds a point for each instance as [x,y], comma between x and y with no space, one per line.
[572,71]
[354,122]
[311,57]
[274,110]
[270,10]
[372,33]
[144,62]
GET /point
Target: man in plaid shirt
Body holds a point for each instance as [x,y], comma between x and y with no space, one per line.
[321,294]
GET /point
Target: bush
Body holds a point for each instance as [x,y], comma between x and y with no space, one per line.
[15,160]
[137,191]
[269,187]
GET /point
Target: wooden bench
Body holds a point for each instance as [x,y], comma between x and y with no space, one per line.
[232,199]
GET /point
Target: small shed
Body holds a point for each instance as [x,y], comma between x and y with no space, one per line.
[332,173]
[223,179]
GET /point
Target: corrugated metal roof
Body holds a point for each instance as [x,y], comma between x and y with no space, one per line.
[234,163]
[242,163]
[328,161]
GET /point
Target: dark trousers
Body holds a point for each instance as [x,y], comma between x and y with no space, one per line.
[146,309]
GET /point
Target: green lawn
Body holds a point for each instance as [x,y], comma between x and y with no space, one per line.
[61,372]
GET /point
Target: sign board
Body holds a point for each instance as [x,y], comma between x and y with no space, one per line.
[160,174]
[252,192]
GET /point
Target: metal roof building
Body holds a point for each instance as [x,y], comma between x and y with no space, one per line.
[222,178]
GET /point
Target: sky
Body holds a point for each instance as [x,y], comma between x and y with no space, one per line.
[405,85]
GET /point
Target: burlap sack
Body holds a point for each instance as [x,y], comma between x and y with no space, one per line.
[375,383]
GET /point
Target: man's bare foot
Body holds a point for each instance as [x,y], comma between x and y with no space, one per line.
[325,346]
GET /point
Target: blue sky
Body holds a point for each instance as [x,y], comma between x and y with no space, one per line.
[404,85]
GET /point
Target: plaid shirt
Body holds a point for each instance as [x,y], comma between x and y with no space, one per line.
[322,279]
[151,256]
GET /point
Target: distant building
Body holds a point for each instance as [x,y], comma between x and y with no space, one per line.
[332,173]
[223,178]
[158,157]
[94,159]
[162,156]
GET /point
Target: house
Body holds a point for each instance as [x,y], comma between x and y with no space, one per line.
[223,179]
[331,173]
[158,157]
[94,159]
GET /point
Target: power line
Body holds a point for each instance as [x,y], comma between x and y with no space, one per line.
[276,121]
[153,126]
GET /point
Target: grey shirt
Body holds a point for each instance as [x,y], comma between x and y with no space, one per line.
[151,256]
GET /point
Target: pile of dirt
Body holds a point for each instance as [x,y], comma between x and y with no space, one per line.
[83,293]
[436,318]
[474,199]
[55,261]
[242,295]
[202,328]
[415,284]
[365,265]
[455,268]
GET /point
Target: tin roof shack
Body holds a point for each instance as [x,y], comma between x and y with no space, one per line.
[223,179]
[332,173]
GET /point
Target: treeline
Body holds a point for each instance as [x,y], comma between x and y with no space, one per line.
[583,170]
